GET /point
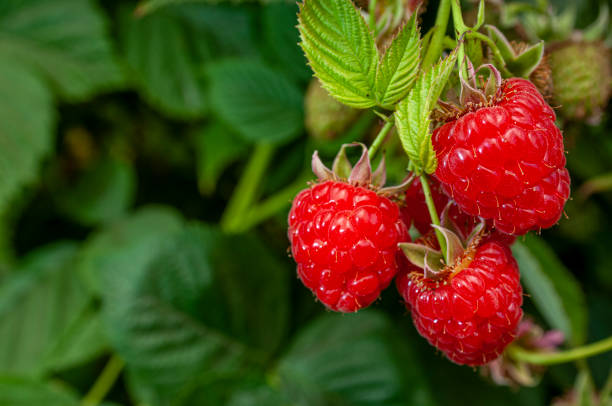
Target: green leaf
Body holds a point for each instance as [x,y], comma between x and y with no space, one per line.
[150,6]
[216,148]
[412,117]
[553,289]
[162,63]
[352,359]
[66,40]
[127,243]
[340,49]
[261,104]
[197,307]
[399,66]
[39,305]
[26,123]
[24,392]
[83,341]
[103,193]
[282,37]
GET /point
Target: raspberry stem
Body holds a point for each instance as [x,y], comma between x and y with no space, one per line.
[574,354]
[380,139]
[104,383]
[435,46]
[246,190]
[433,213]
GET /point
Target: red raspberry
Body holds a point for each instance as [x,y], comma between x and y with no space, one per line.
[344,239]
[415,210]
[505,162]
[472,310]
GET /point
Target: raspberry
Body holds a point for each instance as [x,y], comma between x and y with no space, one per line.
[582,77]
[505,161]
[471,310]
[344,239]
[415,210]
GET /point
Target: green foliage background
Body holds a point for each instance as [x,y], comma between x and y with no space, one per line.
[122,139]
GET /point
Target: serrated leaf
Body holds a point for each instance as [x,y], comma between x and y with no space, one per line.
[412,117]
[340,50]
[261,104]
[39,304]
[195,308]
[66,40]
[126,242]
[158,52]
[553,289]
[26,122]
[352,359]
[16,391]
[399,66]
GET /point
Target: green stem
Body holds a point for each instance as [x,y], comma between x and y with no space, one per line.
[497,56]
[247,187]
[274,203]
[561,357]
[433,213]
[380,138]
[372,15]
[460,29]
[435,46]
[104,383]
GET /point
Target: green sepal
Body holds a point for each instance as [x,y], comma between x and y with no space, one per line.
[418,254]
[597,30]
[519,64]
[454,246]
[342,167]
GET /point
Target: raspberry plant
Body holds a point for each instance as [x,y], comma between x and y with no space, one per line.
[323,202]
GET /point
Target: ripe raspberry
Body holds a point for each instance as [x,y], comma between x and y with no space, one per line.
[344,239]
[471,311]
[505,162]
[415,210]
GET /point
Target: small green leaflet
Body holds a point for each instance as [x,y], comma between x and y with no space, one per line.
[399,66]
[340,49]
[343,55]
[412,115]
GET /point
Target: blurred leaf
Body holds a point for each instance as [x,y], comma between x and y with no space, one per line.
[24,392]
[64,39]
[212,22]
[216,148]
[26,122]
[553,289]
[148,6]
[399,66]
[352,360]
[39,305]
[282,36]
[196,310]
[81,342]
[163,64]
[261,396]
[104,192]
[260,103]
[128,243]
[340,50]
[412,115]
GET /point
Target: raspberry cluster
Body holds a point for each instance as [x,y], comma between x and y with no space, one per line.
[501,173]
